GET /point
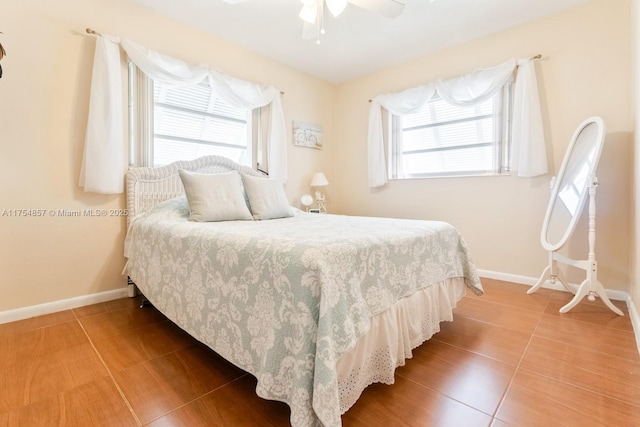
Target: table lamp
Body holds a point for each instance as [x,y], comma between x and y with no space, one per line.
[319,180]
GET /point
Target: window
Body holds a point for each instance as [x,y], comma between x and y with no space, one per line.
[442,139]
[170,123]
[189,123]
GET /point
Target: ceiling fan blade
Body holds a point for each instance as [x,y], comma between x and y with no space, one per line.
[389,8]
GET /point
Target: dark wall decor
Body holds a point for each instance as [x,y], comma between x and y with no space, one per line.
[3,53]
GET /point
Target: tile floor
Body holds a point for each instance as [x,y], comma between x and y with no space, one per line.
[508,358]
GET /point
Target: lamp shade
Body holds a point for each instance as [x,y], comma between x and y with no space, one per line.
[319,180]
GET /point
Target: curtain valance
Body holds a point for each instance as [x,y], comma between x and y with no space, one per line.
[104,162]
[528,155]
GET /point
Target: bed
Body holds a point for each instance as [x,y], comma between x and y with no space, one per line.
[316,307]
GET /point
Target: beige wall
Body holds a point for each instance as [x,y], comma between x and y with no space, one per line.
[43,112]
[585,71]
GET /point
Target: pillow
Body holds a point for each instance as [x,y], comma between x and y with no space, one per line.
[214,197]
[267,199]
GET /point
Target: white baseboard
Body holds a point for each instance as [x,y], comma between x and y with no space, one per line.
[611,293]
[67,304]
[55,306]
[635,321]
[530,281]
[523,280]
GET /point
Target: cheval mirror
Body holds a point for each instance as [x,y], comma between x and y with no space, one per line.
[576,181]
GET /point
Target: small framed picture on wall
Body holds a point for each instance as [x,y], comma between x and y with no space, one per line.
[307,135]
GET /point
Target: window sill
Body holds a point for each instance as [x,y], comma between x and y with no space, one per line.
[456,175]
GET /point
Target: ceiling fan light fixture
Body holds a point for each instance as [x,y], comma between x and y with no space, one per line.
[336,7]
[309,13]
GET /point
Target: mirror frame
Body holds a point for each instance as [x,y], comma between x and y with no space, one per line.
[599,140]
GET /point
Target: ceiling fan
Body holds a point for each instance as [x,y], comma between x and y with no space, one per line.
[312,12]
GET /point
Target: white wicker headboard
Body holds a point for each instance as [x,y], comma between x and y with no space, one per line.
[147,187]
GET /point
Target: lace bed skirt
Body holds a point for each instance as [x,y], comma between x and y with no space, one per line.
[392,337]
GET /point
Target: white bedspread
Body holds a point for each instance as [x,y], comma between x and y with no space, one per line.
[283,299]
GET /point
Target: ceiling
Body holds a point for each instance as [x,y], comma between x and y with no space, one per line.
[359,41]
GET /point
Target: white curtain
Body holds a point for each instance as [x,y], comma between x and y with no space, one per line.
[528,155]
[104,163]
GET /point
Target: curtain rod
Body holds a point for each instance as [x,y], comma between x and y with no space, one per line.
[533,58]
[95,33]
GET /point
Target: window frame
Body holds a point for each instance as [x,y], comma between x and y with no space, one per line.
[141,106]
[503,116]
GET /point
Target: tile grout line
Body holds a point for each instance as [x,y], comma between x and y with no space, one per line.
[591,327]
[517,368]
[588,390]
[581,348]
[113,379]
[443,394]
[541,312]
[140,423]
[590,349]
[35,328]
[435,336]
[198,398]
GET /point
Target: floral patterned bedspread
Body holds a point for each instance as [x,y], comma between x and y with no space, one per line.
[284,298]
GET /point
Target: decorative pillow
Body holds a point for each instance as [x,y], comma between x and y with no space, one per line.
[214,197]
[267,199]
